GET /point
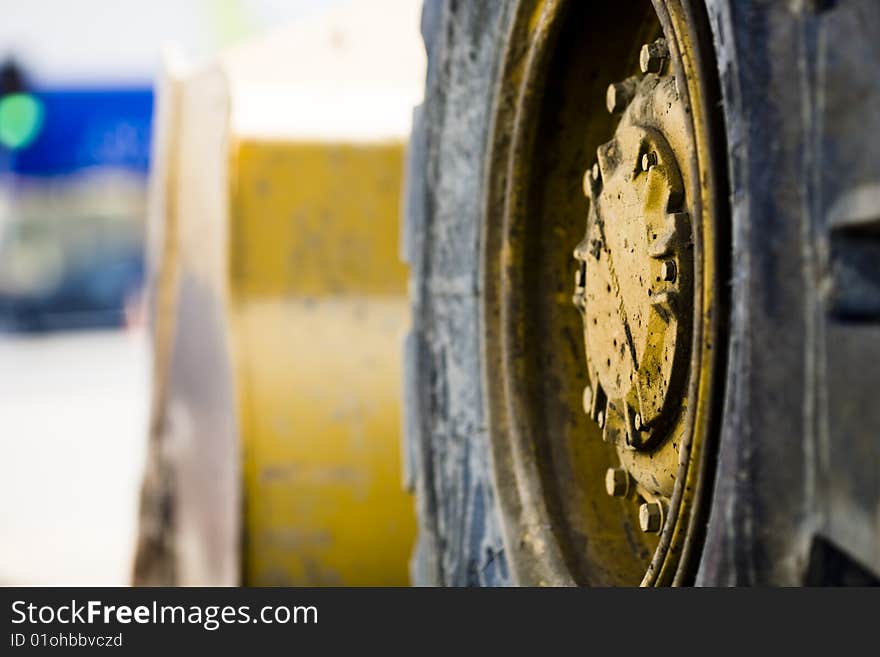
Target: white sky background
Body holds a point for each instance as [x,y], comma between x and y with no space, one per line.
[314,69]
[352,73]
[65,42]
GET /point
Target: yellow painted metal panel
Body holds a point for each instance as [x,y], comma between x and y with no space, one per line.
[317,297]
[317,219]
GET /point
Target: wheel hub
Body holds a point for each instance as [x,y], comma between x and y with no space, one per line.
[634,287]
[649,286]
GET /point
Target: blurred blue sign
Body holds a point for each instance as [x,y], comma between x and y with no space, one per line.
[85,128]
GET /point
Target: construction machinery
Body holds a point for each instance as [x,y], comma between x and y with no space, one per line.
[644,282]
[646,270]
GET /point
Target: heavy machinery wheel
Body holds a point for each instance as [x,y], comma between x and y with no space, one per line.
[642,238]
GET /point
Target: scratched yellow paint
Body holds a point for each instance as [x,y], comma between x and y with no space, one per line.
[318,303]
[316,220]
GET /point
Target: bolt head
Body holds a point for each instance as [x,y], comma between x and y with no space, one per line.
[617,482]
[651,517]
[637,422]
[633,440]
[653,56]
[600,419]
[588,399]
[668,271]
[617,97]
[595,172]
[649,160]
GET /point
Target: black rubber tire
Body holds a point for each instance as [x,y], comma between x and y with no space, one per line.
[459,541]
[797,493]
[797,486]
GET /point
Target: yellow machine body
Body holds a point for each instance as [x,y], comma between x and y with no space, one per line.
[278,304]
[318,310]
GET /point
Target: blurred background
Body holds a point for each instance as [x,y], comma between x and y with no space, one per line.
[76,103]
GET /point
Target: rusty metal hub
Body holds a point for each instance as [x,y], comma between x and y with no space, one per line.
[616,495]
[634,287]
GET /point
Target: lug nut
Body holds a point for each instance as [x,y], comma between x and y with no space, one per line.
[667,271]
[633,440]
[617,482]
[648,160]
[651,517]
[653,56]
[588,399]
[637,422]
[618,96]
[591,179]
